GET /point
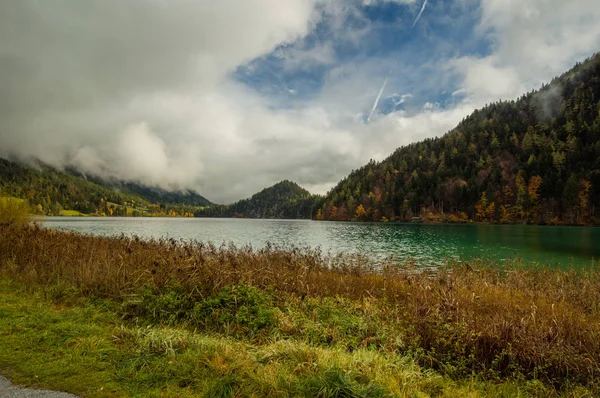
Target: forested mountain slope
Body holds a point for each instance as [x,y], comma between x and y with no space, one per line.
[149,194]
[535,160]
[50,192]
[158,195]
[283,200]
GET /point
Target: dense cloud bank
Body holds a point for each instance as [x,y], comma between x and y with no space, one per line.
[146,90]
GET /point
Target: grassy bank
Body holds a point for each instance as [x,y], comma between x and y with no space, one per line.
[86,349]
[172,318]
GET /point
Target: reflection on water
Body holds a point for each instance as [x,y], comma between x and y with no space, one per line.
[426,243]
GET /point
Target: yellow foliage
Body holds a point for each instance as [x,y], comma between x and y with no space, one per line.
[505,216]
[360,212]
[333,213]
[491,211]
[554,221]
[481,207]
[320,215]
[14,211]
[533,187]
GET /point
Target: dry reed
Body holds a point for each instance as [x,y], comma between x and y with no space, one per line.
[497,321]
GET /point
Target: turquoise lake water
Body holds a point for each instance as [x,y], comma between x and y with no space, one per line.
[427,244]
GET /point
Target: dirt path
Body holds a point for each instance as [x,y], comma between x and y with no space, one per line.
[7,390]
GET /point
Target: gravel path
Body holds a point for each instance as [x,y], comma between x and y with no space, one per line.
[7,390]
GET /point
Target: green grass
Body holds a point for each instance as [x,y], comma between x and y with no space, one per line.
[81,346]
[71,213]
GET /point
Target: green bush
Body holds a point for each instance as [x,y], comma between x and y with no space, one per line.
[335,383]
[244,311]
[14,211]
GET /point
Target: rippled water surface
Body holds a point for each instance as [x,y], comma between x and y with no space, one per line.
[427,243]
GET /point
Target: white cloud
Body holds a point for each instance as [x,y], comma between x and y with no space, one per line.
[143,90]
[307,58]
[532,42]
[486,79]
[76,76]
[398,99]
[430,106]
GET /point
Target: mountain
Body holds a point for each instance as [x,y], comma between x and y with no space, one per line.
[283,200]
[158,195]
[54,192]
[533,160]
[150,194]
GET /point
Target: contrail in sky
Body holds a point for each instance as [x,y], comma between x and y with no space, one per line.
[390,72]
[379,97]
[420,13]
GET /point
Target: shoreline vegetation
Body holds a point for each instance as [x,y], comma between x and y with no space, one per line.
[428,218]
[124,316]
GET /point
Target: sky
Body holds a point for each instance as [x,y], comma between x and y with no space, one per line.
[227,97]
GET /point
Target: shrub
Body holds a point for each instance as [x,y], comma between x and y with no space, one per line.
[243,311]
[335,383]
[14,211]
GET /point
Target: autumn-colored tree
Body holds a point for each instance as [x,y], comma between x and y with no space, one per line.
[481,207]
[342,214]
[534,197]
[533,187]
[320,215]
[360,212]
[490,212]
[505,216]
[584,194]
[333,213]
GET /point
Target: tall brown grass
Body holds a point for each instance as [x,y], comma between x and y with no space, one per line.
[497,321]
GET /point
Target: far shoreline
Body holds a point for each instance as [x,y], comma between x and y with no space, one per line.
[422,222]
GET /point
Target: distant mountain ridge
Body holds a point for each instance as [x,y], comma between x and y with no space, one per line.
[159,195]
[53,192]
[534,160]
[150,194]
[285,199]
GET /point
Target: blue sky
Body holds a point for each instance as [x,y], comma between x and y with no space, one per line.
[228,97]
[387,40]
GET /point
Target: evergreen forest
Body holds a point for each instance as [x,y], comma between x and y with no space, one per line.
[531,160]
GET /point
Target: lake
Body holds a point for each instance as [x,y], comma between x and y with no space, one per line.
[427,244]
